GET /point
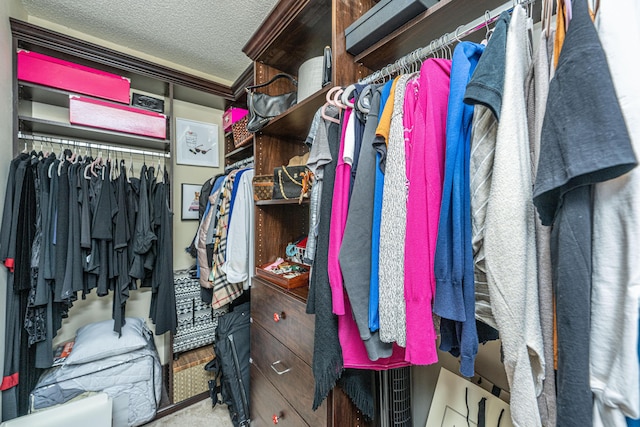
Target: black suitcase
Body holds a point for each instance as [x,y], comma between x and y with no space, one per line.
[231,365]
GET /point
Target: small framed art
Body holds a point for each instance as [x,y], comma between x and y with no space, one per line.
[190,201]
[196,143]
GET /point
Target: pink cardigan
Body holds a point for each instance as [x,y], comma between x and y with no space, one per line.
[354,353]
[425,154]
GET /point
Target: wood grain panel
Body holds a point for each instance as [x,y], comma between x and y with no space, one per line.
[295,330]
[346,12]
[266,401]
[344,412]
[296,122]
[296,385]
[278,225]
[294,32]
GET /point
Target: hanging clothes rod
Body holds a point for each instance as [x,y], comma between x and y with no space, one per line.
[50,139]
[240,163]
[443,41]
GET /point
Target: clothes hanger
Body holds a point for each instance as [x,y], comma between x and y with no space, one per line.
[442,53]
[417,60]
[114,170]
[323,113]
[488,31]
[447,46]
[63,159]
[345,97]
[329,101]
[159,166]
[330,93]
[364,101]
[337,101]
[568,13]
[130,167]
[91,167]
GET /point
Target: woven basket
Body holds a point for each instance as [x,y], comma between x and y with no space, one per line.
[189,375]
[241,136]
[262,187]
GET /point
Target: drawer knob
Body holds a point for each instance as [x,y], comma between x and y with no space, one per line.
[277,417]
[279,316]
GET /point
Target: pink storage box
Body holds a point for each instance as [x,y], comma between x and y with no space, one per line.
[105,115]
[53,72]
[231,116]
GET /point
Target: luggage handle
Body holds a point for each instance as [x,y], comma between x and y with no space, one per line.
[278,362]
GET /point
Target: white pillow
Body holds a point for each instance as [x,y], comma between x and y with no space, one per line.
[98,340]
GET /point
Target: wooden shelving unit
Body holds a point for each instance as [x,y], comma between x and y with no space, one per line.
[294,32]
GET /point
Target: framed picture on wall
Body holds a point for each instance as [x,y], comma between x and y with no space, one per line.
[196,143]
[190,201]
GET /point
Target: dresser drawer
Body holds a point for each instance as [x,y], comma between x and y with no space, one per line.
[266,403]
[284,317]
[288,374]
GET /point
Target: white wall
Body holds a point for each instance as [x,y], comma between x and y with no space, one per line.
[7,8]
[184,231]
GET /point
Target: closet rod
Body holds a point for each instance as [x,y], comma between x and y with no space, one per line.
[239,163]
[50,139]
[443,41]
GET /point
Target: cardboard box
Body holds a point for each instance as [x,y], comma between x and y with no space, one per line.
[53,72]
[105,115]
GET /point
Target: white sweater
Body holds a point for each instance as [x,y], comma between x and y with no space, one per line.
[239,264]
[614,373]
[510,246]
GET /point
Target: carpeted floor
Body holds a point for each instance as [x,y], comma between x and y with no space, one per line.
[197,415]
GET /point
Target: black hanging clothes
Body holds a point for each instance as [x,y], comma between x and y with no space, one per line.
[163,301]
[102,228]
[143,236]
[121,239]
[43,296]
[8,215]
[86,214]
[328,365]
[61,232]
[19,376]
[73,278]
[151,255]
[9,260]
[50,226]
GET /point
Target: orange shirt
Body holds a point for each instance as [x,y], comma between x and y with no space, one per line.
[384,125]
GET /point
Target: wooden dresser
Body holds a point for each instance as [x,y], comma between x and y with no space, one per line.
[282,383]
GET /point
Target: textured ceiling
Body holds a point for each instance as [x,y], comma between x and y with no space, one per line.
[205,35]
